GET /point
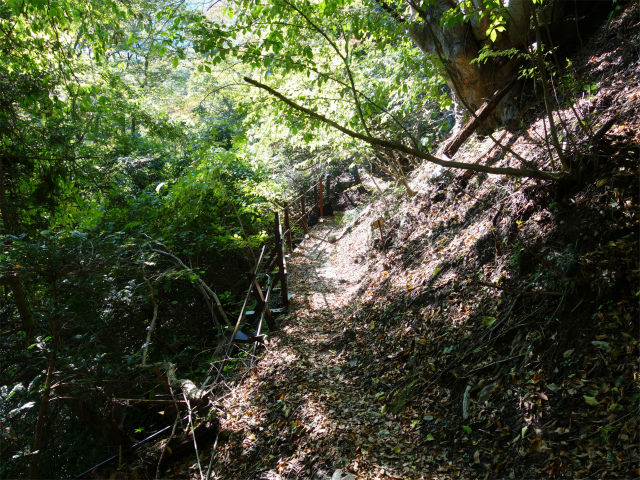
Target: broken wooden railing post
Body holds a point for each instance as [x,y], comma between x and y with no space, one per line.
[320,188]
[257,290]
[262,305]
[287,226]
[282,275]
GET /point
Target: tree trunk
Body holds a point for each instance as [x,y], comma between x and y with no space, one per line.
[13,279]
[459,45]
[456,46]
[20,299]
[44,401]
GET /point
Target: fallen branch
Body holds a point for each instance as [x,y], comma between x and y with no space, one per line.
[604,128]
[516,290]
[518,172]
[202,286]
[482,114]
[189,389]
[493,363]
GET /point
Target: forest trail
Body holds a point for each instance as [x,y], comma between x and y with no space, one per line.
[323,275]
[307,401]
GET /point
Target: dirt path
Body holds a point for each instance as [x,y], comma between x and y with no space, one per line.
[307,410]
[323,275]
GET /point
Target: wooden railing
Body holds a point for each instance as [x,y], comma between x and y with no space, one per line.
[270,275]
[299,206]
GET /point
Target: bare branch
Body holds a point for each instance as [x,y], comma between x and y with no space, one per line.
[519,172]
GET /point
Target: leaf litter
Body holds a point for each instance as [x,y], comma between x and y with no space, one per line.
[498,336]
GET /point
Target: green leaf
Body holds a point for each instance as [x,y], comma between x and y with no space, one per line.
[488,321]
[430,438]
[590,400]
[175,62]
[467,429]
[436,271]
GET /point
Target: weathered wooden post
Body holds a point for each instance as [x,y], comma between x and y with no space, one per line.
[315,195]
[320,188]
[287,226]
[282,274]
[378,224]
[261,303]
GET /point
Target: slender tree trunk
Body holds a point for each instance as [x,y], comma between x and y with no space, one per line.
[44,401]
[26,318]
[13,279]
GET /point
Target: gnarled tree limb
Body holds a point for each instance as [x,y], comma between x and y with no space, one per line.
[519,172]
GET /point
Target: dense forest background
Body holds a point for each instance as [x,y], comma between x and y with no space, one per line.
[145,144]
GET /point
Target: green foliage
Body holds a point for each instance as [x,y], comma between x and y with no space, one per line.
[350,67]
[467,10]
[88,133]
[133,132]
[487,53]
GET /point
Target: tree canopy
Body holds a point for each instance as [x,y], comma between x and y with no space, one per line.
[134,134]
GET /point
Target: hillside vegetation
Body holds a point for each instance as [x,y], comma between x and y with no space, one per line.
[496,337]
[489,329]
